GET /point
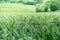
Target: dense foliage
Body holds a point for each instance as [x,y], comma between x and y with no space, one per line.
[49,5]
[41,5]
[24,26]
[21,22]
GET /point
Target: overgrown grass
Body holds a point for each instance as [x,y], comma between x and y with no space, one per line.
[29,26]
[16,7]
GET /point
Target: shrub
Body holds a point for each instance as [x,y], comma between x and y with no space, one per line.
[30,26]
[40,8]
[54,6]
[29,3]
[49,6]
[20,1]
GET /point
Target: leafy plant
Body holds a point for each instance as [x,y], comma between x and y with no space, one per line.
[24,26]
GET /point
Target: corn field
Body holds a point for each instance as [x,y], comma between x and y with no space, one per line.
[29,26]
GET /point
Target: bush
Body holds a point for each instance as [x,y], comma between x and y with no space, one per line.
[20,1]
[40,8]
[29,26]
[54,6]
[29,3]
[49,6]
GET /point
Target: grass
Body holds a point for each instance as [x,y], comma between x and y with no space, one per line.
[15,7]
[33,26]
[18,23]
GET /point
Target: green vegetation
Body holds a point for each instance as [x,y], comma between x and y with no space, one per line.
[29,19]
[15,7]
[26,2]
[29,26]
[48,5]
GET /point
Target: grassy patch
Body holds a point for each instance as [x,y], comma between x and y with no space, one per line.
[15,7]
[29,26]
